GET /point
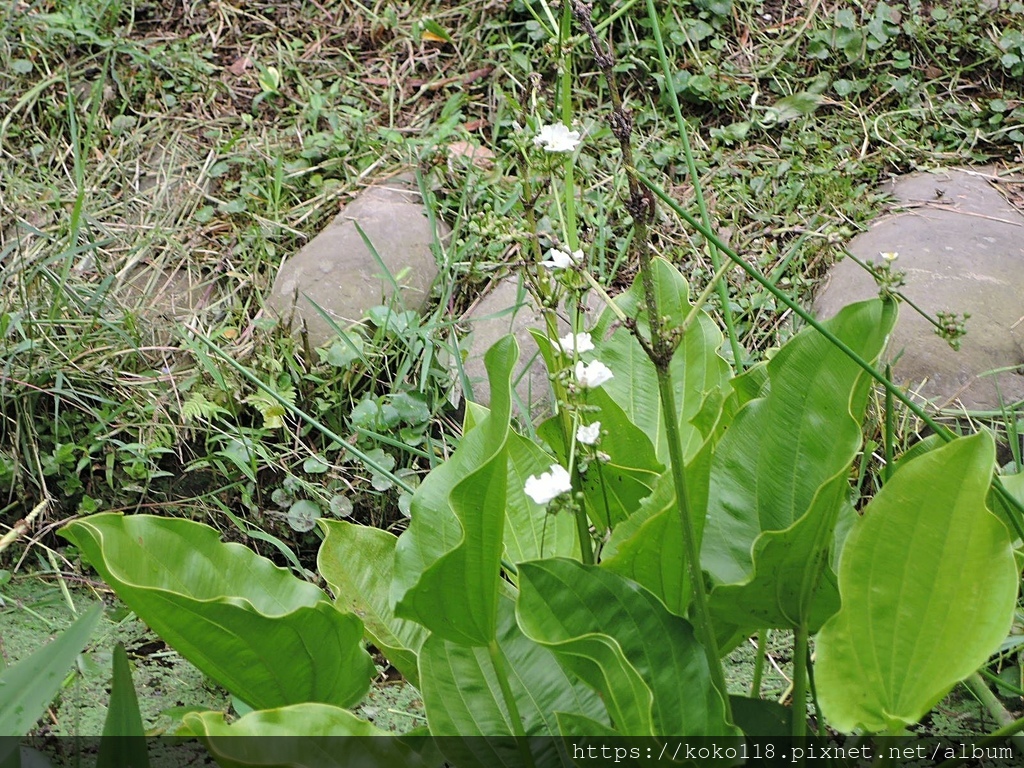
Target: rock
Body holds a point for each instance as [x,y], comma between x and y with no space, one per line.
[961,244]
[338,273]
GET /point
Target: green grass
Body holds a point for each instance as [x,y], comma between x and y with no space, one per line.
[145,148]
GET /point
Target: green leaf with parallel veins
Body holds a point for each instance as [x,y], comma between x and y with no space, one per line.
[448,562]
[928,585]
[358,562]
[124,737]
[463,697]
[267,637]
[779,475]
[648,547]
[30,685]
[616,636]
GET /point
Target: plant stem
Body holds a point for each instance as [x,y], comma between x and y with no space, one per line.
[800,648]
[659,347]
[890,427]
[583,533]
[565,54]
[699,613]
[942,431]
[691,169]
[498,663]
[755,684]
[976,685]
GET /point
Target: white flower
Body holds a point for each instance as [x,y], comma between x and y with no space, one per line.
[557,138]
[549,485]
[592,375]
[589,434]
[890,257]
[559,258]
[578,342]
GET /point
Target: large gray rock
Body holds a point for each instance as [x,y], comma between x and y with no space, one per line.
[338,273]
[961,245]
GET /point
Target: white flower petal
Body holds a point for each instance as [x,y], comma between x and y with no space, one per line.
[548,485]
[561,259]
[557,138]
[579,342]
[593,374]
[589,434]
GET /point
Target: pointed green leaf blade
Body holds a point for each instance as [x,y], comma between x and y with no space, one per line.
[463,697]
[784,448]
[124,738]
[267,637]
[30,685]
[448,562]
[928,586]
[357,561]
[617,637]
[792,584]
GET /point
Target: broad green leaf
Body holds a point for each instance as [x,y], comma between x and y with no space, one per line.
[793,584]
[30,685]
[267,637]
[616,636]
[697,368]
[463,697]
[124,737]
[243,743]
[928,585]
[305,720]
[792,448]
[448,562]
[357,561]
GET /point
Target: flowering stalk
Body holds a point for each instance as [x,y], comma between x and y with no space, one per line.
[565,54]
[659,346]
[698,192]
[556,138]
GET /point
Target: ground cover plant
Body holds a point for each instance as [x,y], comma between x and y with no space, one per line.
[584,575]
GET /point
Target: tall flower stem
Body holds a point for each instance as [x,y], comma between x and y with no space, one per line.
[659,345]
[547,301]
[565,92]
[698,192]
